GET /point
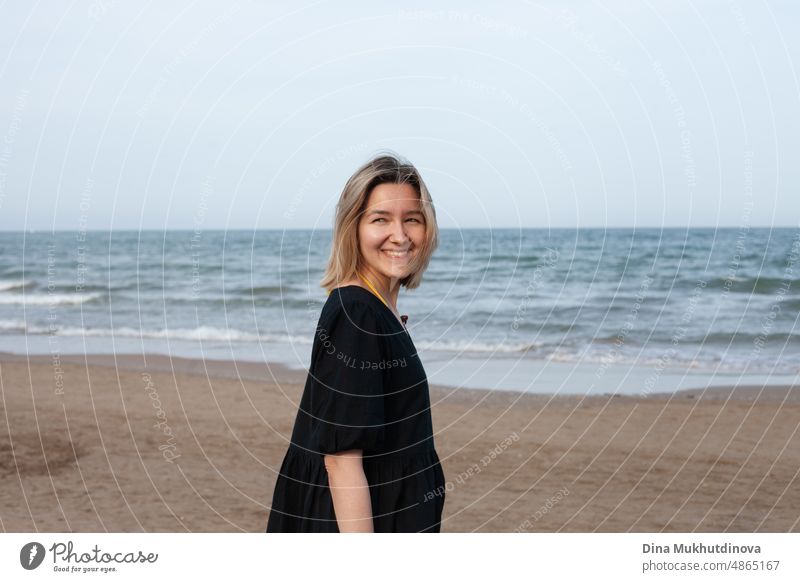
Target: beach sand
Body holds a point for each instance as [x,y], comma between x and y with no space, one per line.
[99,457]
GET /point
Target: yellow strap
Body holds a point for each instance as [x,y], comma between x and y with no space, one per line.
[375,291]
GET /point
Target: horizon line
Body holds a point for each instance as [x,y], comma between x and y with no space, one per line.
[187,229]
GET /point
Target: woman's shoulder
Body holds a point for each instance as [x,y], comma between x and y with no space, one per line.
[354,302]
[352,295]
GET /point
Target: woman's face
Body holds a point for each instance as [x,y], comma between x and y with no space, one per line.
[391,230]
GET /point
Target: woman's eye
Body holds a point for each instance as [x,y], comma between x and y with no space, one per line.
[412,219]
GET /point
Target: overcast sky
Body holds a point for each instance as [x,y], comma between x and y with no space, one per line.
[253,114]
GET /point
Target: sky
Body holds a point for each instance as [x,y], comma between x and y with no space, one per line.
[253,114]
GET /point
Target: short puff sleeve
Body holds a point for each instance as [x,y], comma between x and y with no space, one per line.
[348,372]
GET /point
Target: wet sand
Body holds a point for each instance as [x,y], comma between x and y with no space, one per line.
[171,445]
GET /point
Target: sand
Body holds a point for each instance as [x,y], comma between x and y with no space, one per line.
[155,444]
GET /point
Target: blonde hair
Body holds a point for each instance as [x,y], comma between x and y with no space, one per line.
[345,258]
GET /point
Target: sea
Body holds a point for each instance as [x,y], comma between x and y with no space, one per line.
[551,311]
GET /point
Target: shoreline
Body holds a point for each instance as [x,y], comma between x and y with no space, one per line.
[273,371]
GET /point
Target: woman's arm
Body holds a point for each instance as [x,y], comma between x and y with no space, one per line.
[349,491]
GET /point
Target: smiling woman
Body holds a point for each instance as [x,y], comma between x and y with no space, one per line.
[362,455]
[383,195]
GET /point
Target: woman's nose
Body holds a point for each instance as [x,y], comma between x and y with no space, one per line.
[398,234]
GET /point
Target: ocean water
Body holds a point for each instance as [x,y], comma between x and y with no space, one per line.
[546,310]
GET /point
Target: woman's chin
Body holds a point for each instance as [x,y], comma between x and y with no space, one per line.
[393,269]
[396,271]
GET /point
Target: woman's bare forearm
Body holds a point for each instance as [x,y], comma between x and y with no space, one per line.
[349,491]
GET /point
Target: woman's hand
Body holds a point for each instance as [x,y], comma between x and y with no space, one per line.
[349,491]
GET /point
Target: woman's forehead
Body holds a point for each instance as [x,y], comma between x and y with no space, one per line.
[394,195]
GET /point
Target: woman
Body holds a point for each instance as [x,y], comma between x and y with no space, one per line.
[362,455]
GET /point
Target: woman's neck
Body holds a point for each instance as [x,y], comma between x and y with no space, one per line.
[388,288]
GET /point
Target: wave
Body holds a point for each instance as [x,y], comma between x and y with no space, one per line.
[755,285]
[211,333]
[550,327]
[611,339]
[97,288]
[11,325]
[740,338]
[10,285]
[49,299]
[478,347]
[264,290]
[231,301]
[14,272]
[202,333]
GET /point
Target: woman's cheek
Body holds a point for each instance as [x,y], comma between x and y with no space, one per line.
[370,238]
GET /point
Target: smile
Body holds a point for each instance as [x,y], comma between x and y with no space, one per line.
[397,254]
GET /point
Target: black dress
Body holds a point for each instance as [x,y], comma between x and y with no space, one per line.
[366,389]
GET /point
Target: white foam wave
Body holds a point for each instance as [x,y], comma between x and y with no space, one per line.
[477,346]
[14,284]
[49,299]
[202,333]
[7,325]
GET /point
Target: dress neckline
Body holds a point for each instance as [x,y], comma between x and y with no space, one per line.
[386,307]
